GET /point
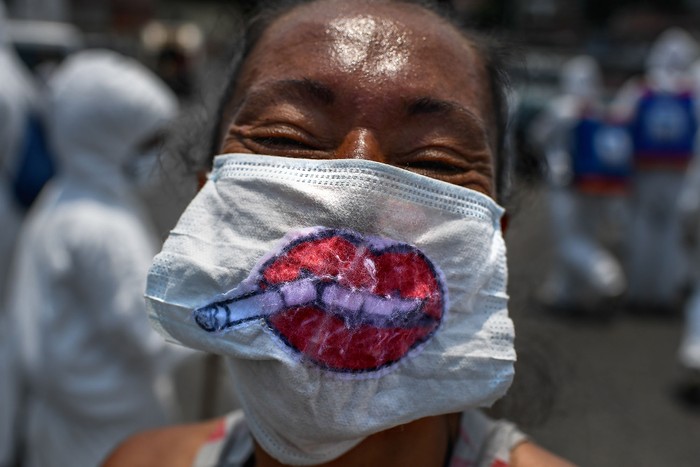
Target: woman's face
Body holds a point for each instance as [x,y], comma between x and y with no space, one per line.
[384,82]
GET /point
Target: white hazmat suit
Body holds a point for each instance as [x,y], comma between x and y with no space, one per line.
[17,98]
[587,161]
[689,207]
[660,108]
[689,202]
[91,360]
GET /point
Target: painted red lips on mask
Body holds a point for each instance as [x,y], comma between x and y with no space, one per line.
[345,301]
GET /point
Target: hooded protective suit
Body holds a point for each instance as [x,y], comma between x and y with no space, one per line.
[689,207]
[91,360]
[660,108]
[587,159]
[17,97]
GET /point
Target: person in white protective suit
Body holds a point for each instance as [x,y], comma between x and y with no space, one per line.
[588,168]
[660,109]
[18,97]
[689,209]
[94,368]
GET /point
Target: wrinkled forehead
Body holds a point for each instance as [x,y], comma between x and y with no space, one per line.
[354,39]
[379,42]
[365,26]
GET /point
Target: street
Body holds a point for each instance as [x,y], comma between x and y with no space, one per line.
[610,381]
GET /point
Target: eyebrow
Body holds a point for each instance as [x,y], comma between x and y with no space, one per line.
[444,108]
[431,105]
[303,89]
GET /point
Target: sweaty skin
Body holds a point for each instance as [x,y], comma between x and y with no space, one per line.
[386,82]
[330,80]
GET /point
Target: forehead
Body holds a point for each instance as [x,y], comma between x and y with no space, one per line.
[378,46]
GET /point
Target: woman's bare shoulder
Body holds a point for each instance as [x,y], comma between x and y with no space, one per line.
[174,446]
[529,454]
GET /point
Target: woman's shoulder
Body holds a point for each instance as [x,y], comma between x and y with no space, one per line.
[175,446]
[230,445]
[528,454]
[484,441]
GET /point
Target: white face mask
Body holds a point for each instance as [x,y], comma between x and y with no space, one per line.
[350,297]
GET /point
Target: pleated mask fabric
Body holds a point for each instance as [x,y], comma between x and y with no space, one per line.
[348,296]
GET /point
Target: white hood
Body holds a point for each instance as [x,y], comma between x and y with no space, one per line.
[673,51]
[580,76]
[102,107]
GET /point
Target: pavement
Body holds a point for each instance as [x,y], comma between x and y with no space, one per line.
[599,392]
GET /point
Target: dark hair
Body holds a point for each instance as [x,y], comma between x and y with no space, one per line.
[491,51]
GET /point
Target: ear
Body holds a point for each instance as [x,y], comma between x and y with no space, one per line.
[505,220]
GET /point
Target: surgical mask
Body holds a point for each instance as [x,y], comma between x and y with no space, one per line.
[348,296]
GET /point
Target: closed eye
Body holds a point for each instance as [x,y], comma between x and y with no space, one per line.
[280,142]
[432,166]
[436,160]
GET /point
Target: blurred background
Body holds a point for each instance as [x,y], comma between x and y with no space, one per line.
[601,380]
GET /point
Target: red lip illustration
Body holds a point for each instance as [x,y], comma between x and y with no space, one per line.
[345,301]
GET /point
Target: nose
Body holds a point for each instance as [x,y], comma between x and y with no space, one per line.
[361,143]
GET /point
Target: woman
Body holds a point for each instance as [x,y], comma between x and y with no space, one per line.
[347,256]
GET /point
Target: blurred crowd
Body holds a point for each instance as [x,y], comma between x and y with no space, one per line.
[623,188]
[81,147]
[85,201]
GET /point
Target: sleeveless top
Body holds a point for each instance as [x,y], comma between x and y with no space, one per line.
[482,442]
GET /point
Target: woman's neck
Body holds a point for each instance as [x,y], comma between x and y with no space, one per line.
[424,442]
